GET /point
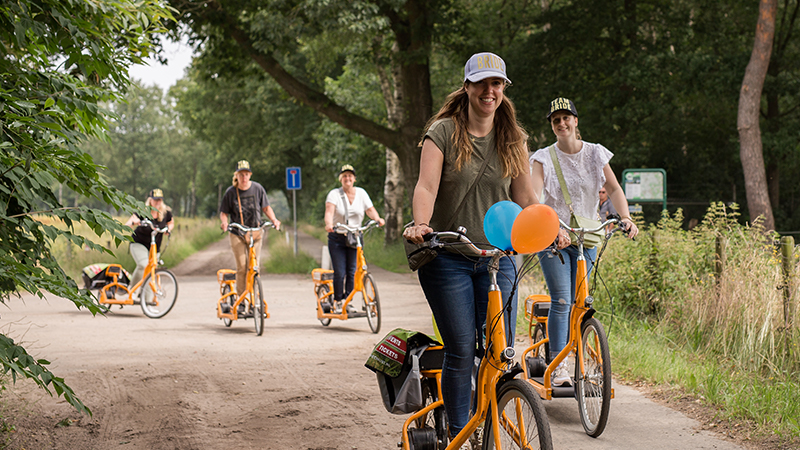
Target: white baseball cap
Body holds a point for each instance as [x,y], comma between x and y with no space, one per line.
[485,65]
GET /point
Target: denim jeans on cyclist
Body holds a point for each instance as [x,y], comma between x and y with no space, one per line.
[343,260]
[560,279]
[457,290]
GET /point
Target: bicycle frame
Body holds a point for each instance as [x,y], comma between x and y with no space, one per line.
[150,269]
[493,367]
[252,270]
[578,313]
[358,282]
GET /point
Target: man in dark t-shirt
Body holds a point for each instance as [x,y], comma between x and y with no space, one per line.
[243,203]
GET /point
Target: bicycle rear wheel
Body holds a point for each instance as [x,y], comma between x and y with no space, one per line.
[372,303]
[434,420]
[230,299]
[594,386]
[158,300]
[258,306]
[322,291]
[523,419]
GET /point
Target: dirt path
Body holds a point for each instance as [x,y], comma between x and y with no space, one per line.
[187,382]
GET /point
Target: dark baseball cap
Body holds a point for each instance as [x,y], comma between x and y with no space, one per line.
[242,165]
[562,104]
[347,168]
[156,194]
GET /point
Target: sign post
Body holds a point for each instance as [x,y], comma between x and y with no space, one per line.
[645,185]
[293,183]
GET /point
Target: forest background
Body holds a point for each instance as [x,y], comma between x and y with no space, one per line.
[318,84]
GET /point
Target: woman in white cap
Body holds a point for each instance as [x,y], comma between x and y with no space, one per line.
[140,247]
[243,203]
[586,172]
[348,205]
[477,124]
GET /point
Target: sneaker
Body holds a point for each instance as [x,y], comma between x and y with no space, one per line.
[561,375]
[337,306]
[351,310]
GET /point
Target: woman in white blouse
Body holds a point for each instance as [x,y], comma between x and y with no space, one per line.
[346,205]
[586,170]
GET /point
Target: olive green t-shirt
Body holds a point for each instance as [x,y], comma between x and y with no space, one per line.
[491,188]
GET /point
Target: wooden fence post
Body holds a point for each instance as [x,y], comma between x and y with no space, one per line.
[787,263]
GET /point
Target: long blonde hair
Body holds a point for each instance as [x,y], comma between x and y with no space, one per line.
[161,210]
[509,134]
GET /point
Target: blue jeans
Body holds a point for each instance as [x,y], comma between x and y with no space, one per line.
[560,279]
[457,290]
[343,260]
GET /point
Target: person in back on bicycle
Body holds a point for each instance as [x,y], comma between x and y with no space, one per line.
[586,172]
[477,123]
[243,203]
[343,258]
[161,216]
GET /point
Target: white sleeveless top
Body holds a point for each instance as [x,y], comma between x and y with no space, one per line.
[583,175]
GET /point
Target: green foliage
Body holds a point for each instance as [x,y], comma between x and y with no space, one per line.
[59,61]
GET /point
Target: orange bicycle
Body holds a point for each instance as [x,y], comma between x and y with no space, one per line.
[587,339]
[251,302]
[511,412]
[362,284]
[157,290]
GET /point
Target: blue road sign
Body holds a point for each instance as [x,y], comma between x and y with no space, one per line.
[293,179]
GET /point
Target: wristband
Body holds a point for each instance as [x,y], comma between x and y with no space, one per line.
[421,224]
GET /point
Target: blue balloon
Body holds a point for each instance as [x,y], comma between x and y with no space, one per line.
[498,222]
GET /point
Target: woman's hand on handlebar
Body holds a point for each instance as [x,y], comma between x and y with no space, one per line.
[562,239]
[631,229]
[415,233]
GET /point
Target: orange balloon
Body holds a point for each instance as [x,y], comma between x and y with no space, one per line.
[535,228]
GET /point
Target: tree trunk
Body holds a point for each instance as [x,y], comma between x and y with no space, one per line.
[755,179]
[393,198]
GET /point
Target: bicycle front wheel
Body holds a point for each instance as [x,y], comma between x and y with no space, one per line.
[258,305]
[372,303]
[594,386]
[523,419]
[157,300]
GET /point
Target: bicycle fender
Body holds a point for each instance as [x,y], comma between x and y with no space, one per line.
[587,315]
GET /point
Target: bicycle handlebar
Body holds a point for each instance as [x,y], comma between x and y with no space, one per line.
[456,238]
[578,230]
[265,224]
[353,229]
[148,223]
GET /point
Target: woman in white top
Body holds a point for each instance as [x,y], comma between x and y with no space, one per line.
[586,170]
[343,258]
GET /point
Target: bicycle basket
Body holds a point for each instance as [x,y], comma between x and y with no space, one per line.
[97,276]
[395,361]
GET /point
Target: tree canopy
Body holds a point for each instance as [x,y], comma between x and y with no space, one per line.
[656,82]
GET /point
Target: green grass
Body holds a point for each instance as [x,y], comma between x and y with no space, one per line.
[643,351]
[388,257]
[282,258]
